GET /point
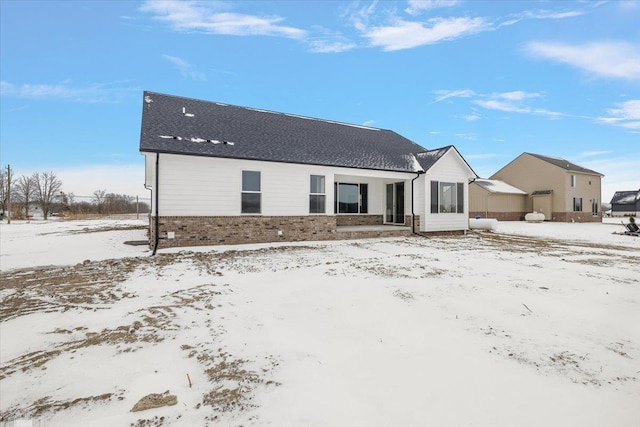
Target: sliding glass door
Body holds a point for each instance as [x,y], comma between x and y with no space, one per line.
[394,203]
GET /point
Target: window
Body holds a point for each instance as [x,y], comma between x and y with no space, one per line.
[573,180]
[317,195]
[350,198]
[251,196]
[594,207]
[577,204]
[447,197]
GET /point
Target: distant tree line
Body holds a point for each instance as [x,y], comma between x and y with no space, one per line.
[43,190]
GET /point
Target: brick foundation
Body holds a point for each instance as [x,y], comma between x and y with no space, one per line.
[575,217]
[233,230]
[349,220]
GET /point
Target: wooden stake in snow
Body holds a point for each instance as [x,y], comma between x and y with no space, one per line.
[525,306]
[188,378]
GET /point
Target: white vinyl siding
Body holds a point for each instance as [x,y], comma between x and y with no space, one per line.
[209,186]
[450,168]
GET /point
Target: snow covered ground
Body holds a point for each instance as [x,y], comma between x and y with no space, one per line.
[530,325]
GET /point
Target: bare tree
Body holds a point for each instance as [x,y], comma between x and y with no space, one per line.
[47,187]
[99,199]
[25,190]
[3,190]
[7,187]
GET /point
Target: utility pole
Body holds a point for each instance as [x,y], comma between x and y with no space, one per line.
[8,194]
[137,209]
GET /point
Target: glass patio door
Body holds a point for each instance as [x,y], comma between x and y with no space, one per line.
[394,206]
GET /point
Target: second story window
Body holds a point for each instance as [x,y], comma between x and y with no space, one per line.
[573,180]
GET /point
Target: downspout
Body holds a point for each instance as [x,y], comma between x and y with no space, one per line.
[157,224]
[413,214]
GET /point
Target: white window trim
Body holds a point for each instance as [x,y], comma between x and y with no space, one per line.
[250,192]
[324,180]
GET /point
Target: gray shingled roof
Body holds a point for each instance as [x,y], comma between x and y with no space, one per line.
[177,125]
[625,197]
[564,164]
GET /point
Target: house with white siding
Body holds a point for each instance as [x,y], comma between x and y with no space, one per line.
[223,174]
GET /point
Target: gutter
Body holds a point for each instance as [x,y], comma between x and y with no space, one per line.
[413,214]
[157,224]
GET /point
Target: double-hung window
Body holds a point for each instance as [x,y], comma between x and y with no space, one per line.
[577,204]
[317,195]
[447,197]
[251,192]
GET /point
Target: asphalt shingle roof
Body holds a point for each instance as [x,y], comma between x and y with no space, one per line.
[177,125]
[565,164]
[625,197]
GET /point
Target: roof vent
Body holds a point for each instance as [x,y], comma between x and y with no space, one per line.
[148,99]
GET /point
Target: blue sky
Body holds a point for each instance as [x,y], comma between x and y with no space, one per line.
[494,78]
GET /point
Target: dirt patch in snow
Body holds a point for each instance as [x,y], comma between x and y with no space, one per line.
[155,400]
[48,406]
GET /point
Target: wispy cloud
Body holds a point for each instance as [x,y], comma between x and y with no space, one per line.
[208,18]
[185,68]
[471,117]
[627,115]
[396,32]
[514,102]
[605,59]
[511,102]
[549,14]
[466,136]
[328,41]
[330,46]
[93,93]
[403,34]
[594,153]
[418,6]
[446,94]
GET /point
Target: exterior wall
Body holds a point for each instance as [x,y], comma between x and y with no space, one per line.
[501,206]
[588,187]
[200,201]
[450,168]
[530,174]
[232,230]
[576,216]
[625,209]
[208,186]
[500,216]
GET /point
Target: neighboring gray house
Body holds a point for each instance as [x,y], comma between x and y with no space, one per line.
[625,203]
[223,174]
